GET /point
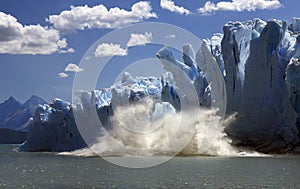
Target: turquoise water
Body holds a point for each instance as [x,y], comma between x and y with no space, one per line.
[49,170]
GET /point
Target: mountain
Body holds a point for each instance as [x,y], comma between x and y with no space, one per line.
[8,108]
[17,120]
[32,103]
[14,117]
[13,114]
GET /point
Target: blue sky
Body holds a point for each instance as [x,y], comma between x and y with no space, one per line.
[35,46]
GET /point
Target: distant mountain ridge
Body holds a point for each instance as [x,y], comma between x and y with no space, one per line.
[9,107]
[14,115]
[32,103]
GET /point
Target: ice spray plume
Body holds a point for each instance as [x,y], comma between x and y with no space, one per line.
[160,135]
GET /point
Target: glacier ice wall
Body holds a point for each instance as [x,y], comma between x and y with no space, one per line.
[293,86]
[149,101]
[190,69]
[259,62]
[256,55]
[53,128]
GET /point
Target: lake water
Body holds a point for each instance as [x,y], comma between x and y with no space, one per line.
[49,170]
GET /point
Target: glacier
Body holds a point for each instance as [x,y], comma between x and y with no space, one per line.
[53,128]
[258,74]
[149,101]
[256,55]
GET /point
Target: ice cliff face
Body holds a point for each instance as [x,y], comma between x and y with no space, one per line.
[195,72]
[256,55]
[53,128]
[293,86]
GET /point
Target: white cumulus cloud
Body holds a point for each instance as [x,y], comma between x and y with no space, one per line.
[110,49]
[62,75]
[170,5]
[239,5]
[137,39]
[16,38]
[82,17]
[73,68]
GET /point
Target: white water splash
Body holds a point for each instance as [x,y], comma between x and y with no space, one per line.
[137,132]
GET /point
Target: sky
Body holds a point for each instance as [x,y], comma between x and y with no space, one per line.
[43,42]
